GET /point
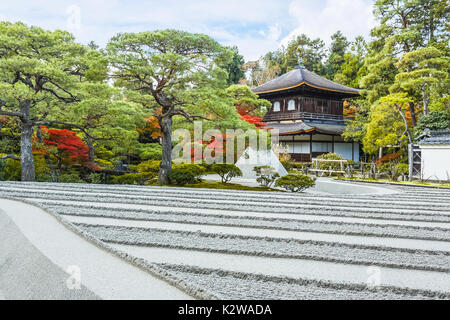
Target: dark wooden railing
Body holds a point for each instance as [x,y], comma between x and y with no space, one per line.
[305,157]
[300,116]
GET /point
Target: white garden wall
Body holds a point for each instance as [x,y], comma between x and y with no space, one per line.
[345,150]
[435,162]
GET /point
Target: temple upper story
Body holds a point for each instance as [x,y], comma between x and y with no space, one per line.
[303,95]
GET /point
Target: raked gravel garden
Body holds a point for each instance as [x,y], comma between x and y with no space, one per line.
[268,245]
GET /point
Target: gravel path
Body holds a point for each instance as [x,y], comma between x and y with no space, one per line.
[406,234]
[131,209]
[236,285]
[274,247]
[196,199]
[266,232]
[332,272]
[334,227]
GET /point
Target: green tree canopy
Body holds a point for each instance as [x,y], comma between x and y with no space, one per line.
[311,51]
[424,75]
[386,125]
[336,55]
[40,72]
[174,73]
[105,118]
[235,67]
[248,102]
[352,69]
[381,72]
[436,120]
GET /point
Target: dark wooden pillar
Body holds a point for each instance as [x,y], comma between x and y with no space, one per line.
[293,144]
[310,146]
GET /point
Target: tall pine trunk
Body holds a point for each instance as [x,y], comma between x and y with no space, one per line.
[412,111]
[166,162]
[48,161]
[91,153]
[26,152]
[425,101]
[26,147]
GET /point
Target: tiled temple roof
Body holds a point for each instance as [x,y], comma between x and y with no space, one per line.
[302,128]
[301,76]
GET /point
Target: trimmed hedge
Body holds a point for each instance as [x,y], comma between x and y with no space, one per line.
[266,175]
[12,171]
[135,178]
[288,165]
[327,165]
[197,170]
[148,166]
[393,169]
[302,166]
[2,171]
[94,178]
[70,178]
[182,176]
[226,171]
[295,182]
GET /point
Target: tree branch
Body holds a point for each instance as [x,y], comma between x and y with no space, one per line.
[11,114]
[71,125]
[71,97]
[405,121]
[10,156]
[189,117]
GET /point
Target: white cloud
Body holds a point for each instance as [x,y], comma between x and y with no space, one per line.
[231,22]
[255,26]
[352,17]
[253,48]
[274,32]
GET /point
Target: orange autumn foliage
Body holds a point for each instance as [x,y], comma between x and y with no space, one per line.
[152,128]
[388,157]
[349,111]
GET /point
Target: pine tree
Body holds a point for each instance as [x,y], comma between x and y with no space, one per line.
[336,56]
[424,74]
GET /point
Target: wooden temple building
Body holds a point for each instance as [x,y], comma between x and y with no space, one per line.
[307,110]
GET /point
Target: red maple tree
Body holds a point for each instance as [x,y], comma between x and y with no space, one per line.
[257,121]
[66,147]
[389,157]
[221,145]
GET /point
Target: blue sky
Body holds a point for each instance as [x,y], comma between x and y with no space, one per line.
[255,26]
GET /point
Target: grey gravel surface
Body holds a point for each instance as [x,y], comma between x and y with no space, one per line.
[426,217]
[393,216]
[439,214]
[235,285]
[22,265]
[274,247]
[357,229]
[371,202]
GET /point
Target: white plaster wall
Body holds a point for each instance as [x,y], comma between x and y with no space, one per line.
[322,147]
[436,162]
[301,147]
[344,150]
